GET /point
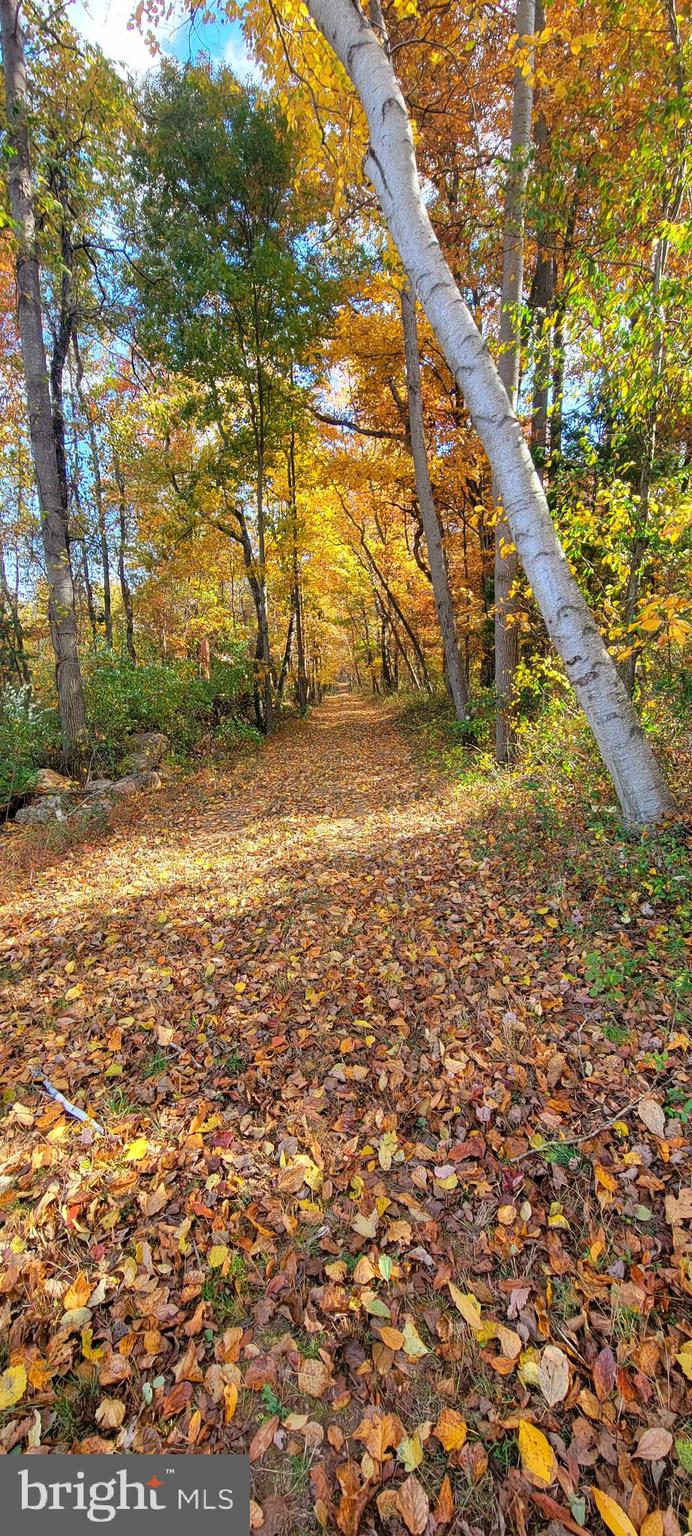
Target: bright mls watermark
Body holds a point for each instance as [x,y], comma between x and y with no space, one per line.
[62,1495]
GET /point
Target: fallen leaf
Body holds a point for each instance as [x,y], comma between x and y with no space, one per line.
[450,1430]
[110,1413]
[78,1293]
[413,1506]
[467,1304]
[537,1455]
[553,1374]
[443,1512]
[655,1444]
[612,1514]
[262,1438]
[313,1377]
[652,1116]
[13,1384]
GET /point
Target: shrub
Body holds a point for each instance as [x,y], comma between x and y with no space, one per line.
[29,734]
[160,696]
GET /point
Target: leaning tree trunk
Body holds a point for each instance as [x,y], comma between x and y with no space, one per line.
[454,671]
[61,607]
[506,561]
[391,165]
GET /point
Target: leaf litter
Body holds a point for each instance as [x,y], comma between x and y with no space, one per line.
[366,1206]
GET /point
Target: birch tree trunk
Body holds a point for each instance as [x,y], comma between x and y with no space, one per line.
[456,676]
[391,166]
[61,607]
[506,560]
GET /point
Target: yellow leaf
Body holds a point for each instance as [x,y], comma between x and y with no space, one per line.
[467,1304]
[78,1293]
[12,1385]
[230,1401]
[413,1344]
[684,1359]
[537,1455]
[136,1150]
[613,1516]
[410,1452]
[217,1255]
[450,1430]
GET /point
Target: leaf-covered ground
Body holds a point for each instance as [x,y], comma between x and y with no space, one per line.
[395,1188]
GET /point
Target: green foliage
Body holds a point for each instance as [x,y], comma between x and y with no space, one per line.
[164,696]
[29,734]
[231,288]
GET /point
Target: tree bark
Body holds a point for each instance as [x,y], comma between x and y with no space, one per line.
[506,559]
[61,606]
[125,589]
[98,495]
[454,671]
[11,632]
[301,678]
[659,260]
[391,166]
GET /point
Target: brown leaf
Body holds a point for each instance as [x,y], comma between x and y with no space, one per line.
[110,1413]
[655,1444]
[604,1370]
[553,1374]
[113,1369]
[652,1116]
[444,1508]
[262,1438]
[413,1506]
[314,1378]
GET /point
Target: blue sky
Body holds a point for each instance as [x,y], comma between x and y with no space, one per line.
[106,22]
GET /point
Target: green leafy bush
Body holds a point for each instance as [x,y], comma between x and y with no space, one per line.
[162,696]
[29,735]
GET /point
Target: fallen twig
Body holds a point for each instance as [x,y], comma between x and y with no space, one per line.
[72,1109]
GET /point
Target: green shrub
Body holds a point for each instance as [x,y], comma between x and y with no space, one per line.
[29,734]
[161,696]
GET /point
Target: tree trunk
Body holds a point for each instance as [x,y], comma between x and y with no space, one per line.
[297,595]
[288,650]
[263,660]
[391,165]
[125,590]
[454,671]
[542,297]
[673,208]
[61,606]
[98,496]
[506,559]
[11,631]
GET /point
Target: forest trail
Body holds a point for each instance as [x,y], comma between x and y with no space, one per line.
[320,1004]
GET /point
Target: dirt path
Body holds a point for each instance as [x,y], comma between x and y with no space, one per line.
[319,1008]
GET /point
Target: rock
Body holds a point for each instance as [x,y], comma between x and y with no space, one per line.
[135,781]
[145,750]
[98,786]
[48,808]
[51,783]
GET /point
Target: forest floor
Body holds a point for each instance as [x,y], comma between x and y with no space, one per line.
[395,1186]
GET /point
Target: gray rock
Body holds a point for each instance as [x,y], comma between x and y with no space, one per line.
[135,781]
[48,808]
[145,750]
[98,787]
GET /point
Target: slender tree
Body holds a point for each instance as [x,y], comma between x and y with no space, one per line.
[454,669]
[506,561]
[61,606]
